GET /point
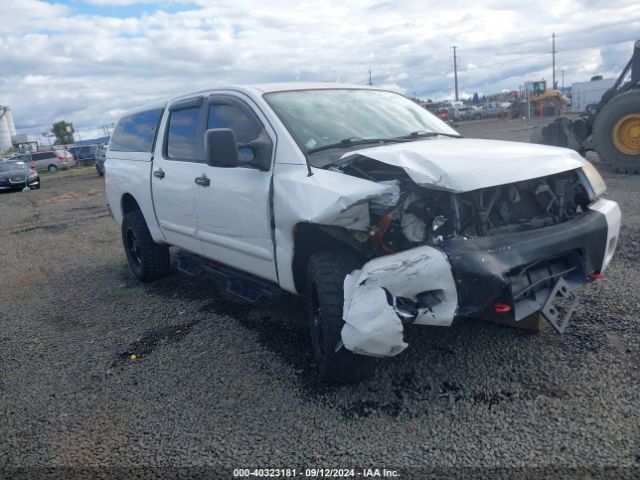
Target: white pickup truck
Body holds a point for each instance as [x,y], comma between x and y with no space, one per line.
[365,203]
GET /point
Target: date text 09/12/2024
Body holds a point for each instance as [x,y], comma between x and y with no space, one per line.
[315,473]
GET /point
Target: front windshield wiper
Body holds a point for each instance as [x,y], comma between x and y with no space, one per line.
[347,142]
[424,134]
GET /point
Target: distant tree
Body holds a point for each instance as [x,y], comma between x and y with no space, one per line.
[63,132]
[483,98]
[475,100]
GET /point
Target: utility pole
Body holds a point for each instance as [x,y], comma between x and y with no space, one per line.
[562,71]
[455,70]
[370,84]
[553,54]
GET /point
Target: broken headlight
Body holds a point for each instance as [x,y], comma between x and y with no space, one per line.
[593,177]
[422,215]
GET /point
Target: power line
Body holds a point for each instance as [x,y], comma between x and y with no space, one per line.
[600,26]
[531,55]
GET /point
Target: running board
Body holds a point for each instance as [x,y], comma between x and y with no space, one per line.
[241,285]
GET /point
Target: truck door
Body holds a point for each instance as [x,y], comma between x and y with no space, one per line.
[233,204]
[174,170]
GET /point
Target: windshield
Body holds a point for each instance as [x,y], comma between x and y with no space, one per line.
[324,117]
[8,166]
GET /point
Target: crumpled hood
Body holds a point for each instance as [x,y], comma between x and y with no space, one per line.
[461,164]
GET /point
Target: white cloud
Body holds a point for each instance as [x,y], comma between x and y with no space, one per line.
[74,64]
[120,3]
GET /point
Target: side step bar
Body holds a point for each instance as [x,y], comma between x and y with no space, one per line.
[241,285]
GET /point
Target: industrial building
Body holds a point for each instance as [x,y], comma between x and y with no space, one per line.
[7,129]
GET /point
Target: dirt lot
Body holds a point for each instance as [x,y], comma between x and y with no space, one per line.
[220,385]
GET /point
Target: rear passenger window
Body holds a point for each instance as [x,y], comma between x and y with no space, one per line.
[182,132]
[136,132]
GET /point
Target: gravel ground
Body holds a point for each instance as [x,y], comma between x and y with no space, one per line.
[220,385]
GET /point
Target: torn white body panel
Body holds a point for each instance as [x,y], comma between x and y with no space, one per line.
[325,198]
[372,326]
[331,198]
[462,164]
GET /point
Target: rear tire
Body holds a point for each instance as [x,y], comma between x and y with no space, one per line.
[625,104]
[325,297]
[100,172]
[52,168]
[148,260]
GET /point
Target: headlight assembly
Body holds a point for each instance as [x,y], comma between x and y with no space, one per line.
[593,177]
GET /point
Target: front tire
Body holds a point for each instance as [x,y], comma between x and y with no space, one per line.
[148,260]
[52,168]
[325,298]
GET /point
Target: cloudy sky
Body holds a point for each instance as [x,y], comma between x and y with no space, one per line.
[86,61]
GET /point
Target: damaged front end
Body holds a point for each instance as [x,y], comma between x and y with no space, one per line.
[435,253]
[414,286]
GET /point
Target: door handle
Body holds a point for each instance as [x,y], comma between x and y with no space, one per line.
[203,180]
[159,173]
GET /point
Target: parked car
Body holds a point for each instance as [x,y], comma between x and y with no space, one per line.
[100,158]
[51,160]
[375,210]
[443,114]
[493,109]
[84,154]
[467,113]
[9,157]
[15,175]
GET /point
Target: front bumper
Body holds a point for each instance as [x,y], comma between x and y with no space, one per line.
[18,185]
[467,277]
[520,269]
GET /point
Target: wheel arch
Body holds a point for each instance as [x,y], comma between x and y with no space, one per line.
[128,203]
[310,238]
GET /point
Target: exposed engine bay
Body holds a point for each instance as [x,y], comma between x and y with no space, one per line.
[451,228]
[416,215]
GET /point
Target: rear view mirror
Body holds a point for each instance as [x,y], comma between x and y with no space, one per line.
[220,148]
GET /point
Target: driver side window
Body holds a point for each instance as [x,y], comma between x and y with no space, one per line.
[246,129]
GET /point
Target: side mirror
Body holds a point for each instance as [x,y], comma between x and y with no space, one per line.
[261,148]
[220,148]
